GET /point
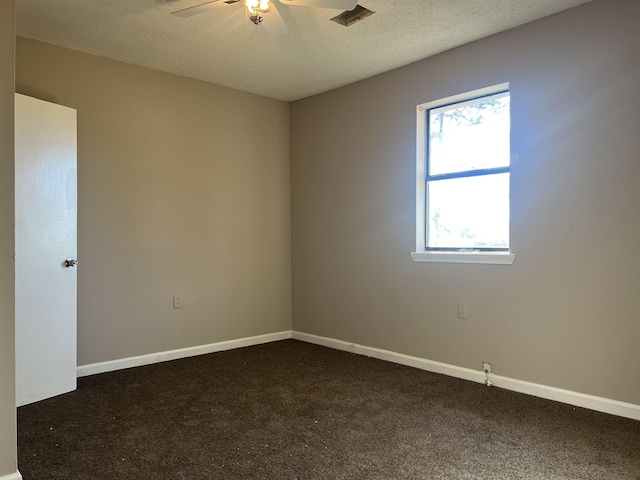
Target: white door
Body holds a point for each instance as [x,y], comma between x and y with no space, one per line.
[46,212]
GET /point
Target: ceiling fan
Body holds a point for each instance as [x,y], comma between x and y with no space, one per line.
[274,25]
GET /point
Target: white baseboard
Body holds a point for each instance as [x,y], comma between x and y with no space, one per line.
[591,402]
[12,476]
[112,365]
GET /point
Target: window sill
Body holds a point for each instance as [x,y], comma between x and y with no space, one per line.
[490,258]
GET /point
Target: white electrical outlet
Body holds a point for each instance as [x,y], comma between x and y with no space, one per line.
[486,367]
[462,309]
[177,301]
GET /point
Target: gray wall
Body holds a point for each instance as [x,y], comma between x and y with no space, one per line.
[566,314]
[7,357]
[183,188]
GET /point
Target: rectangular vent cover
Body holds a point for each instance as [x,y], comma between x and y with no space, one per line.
[348,18]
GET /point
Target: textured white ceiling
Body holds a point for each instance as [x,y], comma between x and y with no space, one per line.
[221,46]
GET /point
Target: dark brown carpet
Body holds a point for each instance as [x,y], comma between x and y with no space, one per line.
[291,410]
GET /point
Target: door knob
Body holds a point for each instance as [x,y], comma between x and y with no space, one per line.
[70,262]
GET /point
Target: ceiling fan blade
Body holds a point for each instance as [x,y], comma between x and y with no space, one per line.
[274,23]
[189,11]
[335,4]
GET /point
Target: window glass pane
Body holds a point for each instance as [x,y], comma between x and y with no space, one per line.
[469,212]
[470,135]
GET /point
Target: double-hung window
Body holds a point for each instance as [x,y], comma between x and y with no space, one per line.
[463,169]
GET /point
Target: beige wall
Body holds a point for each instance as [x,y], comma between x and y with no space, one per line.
[183,189]
[7,358]
[567,313]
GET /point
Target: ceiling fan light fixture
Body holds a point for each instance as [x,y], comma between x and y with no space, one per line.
[256,7]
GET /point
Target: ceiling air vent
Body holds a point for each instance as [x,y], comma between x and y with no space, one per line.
[350,17]
[231,2]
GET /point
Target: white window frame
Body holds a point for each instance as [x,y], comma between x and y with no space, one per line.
[421,254]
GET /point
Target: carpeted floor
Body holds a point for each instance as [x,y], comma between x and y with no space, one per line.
[291,410]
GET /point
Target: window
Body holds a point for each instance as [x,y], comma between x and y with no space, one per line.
[463,169]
